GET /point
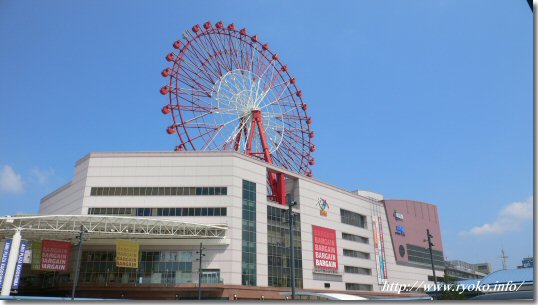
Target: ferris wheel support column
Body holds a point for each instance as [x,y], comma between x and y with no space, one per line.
[277,182]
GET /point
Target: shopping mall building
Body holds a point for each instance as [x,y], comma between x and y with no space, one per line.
[170,202]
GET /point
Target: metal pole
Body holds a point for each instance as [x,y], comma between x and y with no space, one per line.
[77,266]
[200,275]
[292,249]
[430,244]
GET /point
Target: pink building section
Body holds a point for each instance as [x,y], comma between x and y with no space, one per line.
[412,218]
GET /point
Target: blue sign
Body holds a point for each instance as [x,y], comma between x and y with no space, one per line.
[400,230]
[18,269]
[3,262]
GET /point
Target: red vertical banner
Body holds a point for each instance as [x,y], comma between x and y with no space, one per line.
[55,255]
[325,250]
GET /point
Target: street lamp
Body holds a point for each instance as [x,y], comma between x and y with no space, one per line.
[200,272]
[430,245]
[79,255]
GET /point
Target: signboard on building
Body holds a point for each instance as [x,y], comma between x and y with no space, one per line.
[127,254]
[55,255]
[398,215]
[36,255]
[379,250]
[18,268]
[3,261]
[323,207]
[400,230]
[325,250]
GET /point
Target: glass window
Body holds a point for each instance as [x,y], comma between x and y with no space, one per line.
[216,212]
[211,191]
[223,212]
[180,191]
[352,218]
[210,212]
[191,211]
[356,286]
[248,273]
[192,191]
[198,191]
[204,211]
[197,211]
[355,238]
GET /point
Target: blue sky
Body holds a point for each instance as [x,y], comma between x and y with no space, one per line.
[424,100]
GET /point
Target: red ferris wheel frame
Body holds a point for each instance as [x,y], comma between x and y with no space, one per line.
[215,73]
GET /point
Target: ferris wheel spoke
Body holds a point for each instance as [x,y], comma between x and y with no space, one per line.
[222,45]
[195,101]
[192,70]
[239,128]
[215,47]
[196,67]
[200,47]
[289,152]
[217,130]
[276,100]
[233,48]
[208,53]
[191,82]
[189,64]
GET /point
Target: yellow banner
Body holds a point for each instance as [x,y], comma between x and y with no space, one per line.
[127,254]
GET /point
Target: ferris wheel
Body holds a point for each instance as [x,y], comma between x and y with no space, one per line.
[229,91]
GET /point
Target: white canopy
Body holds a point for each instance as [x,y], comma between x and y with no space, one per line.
[67,227]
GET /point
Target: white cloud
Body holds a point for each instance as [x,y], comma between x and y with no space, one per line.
[10,182]
[42,176]
[510,218]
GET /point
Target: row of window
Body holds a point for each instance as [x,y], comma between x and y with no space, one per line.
[356,286]
[158,211]
[421,255]
[248,229]
[154,267]
[357,270]
[159,191]
[355,238]
[278,248]
[352,218]
[359,254]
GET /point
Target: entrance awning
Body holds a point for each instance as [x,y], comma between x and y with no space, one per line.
[67,227]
